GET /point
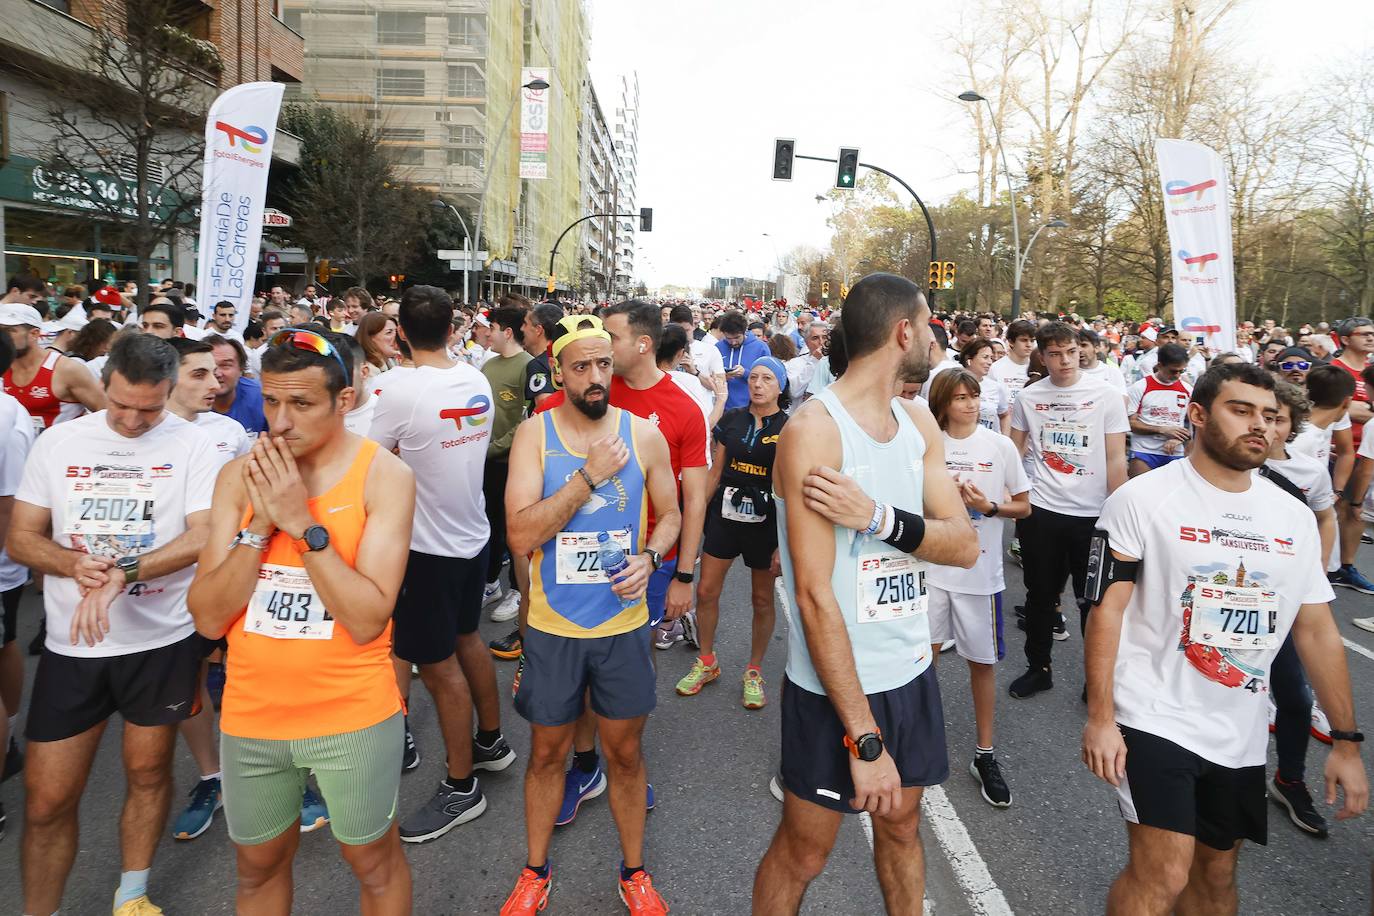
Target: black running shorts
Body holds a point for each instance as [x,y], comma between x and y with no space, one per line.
[72,694]
[1170,787]
[440,600]
[9,624]
[815,761]
[559,672]
[726,539]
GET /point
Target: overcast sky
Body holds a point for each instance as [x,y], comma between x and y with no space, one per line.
[720,79]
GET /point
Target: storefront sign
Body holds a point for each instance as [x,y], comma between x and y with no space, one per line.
[26,180]
[275,219]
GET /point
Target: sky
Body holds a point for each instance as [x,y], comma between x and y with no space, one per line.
[721,79]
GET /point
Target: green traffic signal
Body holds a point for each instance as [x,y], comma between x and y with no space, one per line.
[848,169]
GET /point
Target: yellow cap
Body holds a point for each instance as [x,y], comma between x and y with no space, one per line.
[579,327]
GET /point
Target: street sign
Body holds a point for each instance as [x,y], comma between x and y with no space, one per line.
[455,257]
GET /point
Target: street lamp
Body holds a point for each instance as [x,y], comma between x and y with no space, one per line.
[973,97]
[440,204]
[536,84]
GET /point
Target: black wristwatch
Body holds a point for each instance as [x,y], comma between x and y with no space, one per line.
[316,537]
[654,556]
[685,576]
[1353,737]
[995,510]
[868,748]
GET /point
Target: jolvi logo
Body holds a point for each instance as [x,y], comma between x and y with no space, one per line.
[474,414]
[251,137]
[1184,188]
[1197,262]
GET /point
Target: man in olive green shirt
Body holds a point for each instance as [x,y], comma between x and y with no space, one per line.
[505,370]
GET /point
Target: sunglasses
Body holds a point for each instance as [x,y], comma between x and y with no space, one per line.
[1289,365]
[302,339]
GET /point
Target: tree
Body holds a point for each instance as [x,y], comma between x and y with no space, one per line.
[346,199]
[127,121]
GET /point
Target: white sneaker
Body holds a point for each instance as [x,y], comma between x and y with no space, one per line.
[1364,623]
[490,592]
[508,609]
[1321,728]
[946,646]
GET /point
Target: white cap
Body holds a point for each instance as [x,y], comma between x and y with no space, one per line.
[481,319]
[17,313]
[74,320]
[1150,333]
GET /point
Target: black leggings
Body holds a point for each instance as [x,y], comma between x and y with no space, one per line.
[1293,721]
[494,492]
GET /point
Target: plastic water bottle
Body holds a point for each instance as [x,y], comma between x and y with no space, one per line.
[613,562]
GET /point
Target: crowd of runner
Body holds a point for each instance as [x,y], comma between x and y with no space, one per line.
[258,532]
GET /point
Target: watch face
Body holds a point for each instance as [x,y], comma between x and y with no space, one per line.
[870,748]
[317,537]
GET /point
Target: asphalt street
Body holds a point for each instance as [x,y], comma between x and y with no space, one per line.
[1054,851]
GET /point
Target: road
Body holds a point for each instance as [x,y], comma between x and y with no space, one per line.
[1054,851]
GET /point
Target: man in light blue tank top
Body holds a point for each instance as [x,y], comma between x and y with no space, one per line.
[864,501]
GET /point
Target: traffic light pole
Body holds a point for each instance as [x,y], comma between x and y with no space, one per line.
[554,254]
[930,224]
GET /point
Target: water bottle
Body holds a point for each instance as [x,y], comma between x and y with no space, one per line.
[613,563]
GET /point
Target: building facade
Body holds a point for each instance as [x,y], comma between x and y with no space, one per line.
[626,138]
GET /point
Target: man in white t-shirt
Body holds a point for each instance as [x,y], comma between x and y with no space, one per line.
[439,417]
[1012,369]
[1091,360]
[358,420]
[1204,569]
[1073,429]
[800,369]
[126,495]
[706,358]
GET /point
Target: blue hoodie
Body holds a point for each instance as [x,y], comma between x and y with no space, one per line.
[737,389]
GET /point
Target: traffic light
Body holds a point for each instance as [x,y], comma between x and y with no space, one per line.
[844,292]
[646,219]
[551,282]
[782,159]
[848,171]
[322,271]
[947,275]
[934,279]
[825,289]
[397,280]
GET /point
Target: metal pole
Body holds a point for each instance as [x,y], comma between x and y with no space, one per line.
[1017,261]
[467,244]
[486,183]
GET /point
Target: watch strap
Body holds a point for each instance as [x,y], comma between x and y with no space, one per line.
[1355,737]
[685,576]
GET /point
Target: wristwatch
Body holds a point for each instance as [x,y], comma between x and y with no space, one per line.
[128,566]
[654,556]
[316,537]
[993,512]
[684,576]
[868,748]
[1353,737]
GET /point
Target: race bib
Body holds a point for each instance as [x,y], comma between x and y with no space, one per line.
[1231,617]
[577,556]
[746,511]
[1064,437]
[285,606]
[109,507]
[890,587]
[38,425]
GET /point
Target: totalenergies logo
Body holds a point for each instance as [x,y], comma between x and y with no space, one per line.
[475,414]
[1197,262]
[1194,325]
[251,138]
[1184,188]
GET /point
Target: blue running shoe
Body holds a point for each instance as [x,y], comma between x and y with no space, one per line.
[649,800]
[577,788]
[206,799]
[1350,577]
[314,814]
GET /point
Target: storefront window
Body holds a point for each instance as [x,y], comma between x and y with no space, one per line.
[71,249]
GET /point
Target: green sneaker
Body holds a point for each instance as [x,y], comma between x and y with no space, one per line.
[697,678]
[753,689]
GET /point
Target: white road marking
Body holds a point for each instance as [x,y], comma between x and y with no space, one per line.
[1356,647]
[984,896]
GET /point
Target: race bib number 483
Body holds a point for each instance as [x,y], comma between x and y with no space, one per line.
[285,605]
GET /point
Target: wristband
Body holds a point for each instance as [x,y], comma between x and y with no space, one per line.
[876,522]
[889,522]
[908,531]
[588,478]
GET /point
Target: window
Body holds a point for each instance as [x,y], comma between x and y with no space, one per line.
[466,82]
[469,157]
[401,82]
[464,135]
[406,155]
[467,29]
[292,18]
[401,28]
[403,135]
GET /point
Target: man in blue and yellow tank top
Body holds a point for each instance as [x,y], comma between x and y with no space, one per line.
[863,502]
[577,470]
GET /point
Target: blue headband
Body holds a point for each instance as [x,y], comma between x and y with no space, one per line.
[775,366]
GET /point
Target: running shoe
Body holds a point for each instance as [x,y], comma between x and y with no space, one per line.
[1321,728]
[649,799]
[314,814]
[994,789]
[946,646]
[497,757]
[690,634]
[753,689]
[697,678]
[667,633]
[206,799]
[139,906]
[446,810]
[1035,680]
[1061,629]
[775,786]
[410,754]
[1366,538]
[577,788]
[14,760]
[1350,577]
[508,609]
[1295,799]
[508,647]
[490,592]
[1014,551]
[1273,715]
[639,896]
[1364,623]
[531,894]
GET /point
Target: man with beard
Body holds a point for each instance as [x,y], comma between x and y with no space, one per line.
[579,470]
[41,379]
[864,502]
[1202,570]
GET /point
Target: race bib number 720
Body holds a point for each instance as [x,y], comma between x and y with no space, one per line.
[1231,617]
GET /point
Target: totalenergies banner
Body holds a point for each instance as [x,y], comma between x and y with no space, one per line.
[534,124]
[238,149]
[1197,211]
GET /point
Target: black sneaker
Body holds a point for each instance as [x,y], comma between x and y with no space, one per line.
[410,756]
[984,768]
[446,810]
[1295,799]
[508,647]
[497,757]
[1061,629]
[14,760]
[1035,680]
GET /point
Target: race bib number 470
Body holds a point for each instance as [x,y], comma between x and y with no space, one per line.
[890,587]
[285,605]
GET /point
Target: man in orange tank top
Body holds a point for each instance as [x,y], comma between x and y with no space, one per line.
[308,540]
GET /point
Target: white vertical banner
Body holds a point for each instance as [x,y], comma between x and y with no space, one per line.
[1197,210]
[238,149]
[534,124]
